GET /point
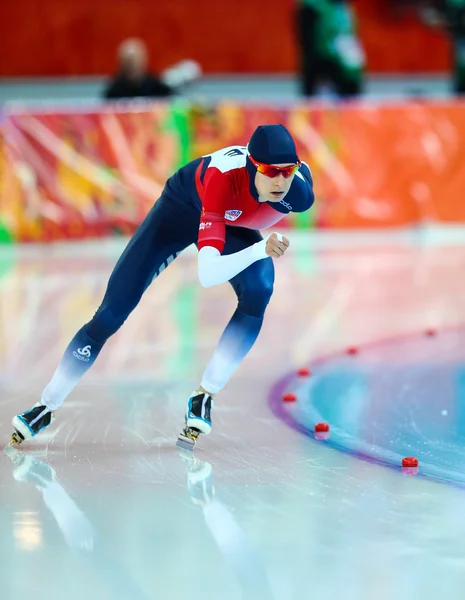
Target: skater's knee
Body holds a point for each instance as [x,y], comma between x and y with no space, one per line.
[255,298]
[255,288]
[105,323]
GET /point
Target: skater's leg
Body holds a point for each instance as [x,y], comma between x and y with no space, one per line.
[254,287]
[166,231]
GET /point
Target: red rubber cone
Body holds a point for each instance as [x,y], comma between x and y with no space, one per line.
[410,461]
[303,372]
[321,431]
[322,427]
[289,397]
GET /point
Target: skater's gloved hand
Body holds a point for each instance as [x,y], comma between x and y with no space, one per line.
[276,245]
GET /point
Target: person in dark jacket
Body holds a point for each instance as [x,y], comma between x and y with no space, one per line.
[133,79]
[331,51]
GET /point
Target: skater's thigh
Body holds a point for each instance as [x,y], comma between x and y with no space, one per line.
[166,231]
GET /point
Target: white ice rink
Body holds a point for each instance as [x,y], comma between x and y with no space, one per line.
[103,506]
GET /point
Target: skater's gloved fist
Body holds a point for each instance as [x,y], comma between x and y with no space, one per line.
[276,245]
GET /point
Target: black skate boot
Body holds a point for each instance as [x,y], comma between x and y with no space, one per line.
[29,423]
[198,419]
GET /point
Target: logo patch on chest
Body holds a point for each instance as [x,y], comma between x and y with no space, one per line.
[232,215]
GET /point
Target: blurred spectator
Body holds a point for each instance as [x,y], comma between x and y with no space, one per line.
[133,79]
[450,15]
[330,48]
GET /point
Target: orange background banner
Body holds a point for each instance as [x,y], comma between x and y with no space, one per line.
[83,174]
[88,174]
[80,37]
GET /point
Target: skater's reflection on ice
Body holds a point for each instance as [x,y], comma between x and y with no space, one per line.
[77,530]
[238,553]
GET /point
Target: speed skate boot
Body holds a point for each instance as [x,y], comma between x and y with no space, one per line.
[198,420]
[29,423]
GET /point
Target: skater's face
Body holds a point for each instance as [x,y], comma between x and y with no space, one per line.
[274,188]
[273,181]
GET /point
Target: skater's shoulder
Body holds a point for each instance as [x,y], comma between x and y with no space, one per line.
[304,173]
[228,159]
[300,196]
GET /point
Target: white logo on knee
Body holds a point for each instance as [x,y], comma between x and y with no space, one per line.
[83,353]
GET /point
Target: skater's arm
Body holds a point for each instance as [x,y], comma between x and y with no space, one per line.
[217,191]
[213,268]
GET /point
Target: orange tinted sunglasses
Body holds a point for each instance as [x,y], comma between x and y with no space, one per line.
[271,171]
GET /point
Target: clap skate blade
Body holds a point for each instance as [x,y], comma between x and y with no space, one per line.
[16,438]
[187,438]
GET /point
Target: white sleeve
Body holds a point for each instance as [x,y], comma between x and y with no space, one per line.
[213,268]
